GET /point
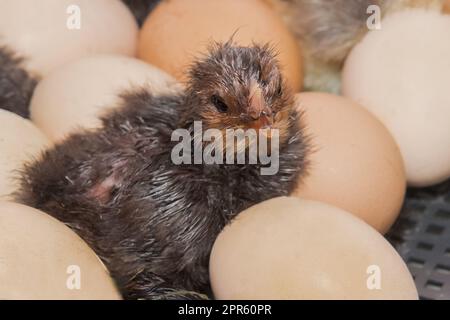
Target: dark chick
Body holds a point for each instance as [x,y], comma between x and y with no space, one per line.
[16,84]
[152,222]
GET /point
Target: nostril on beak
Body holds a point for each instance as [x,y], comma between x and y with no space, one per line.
[254,115]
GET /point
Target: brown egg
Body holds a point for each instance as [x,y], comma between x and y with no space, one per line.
[77,94]
[20,141]
[178,30]
[356,164]
[41,258]
[50,33]
[447,6]
[287,248]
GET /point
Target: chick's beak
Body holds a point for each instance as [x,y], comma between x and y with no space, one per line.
[258,110]
[265,121]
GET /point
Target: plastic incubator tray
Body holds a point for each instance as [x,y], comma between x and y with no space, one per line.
[422,237]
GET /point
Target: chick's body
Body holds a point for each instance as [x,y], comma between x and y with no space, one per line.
[16,84]
[152,222]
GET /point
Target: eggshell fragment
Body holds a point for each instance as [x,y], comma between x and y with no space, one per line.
[401,73]
[177,31]
[50,33]
[355,164]
[41,258]
[287,248]
[76,95]
[20,141]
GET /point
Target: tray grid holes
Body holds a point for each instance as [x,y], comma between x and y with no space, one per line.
[416,263]
[434,285]
[435,229]
[443,214]
[442,269]
[425,246]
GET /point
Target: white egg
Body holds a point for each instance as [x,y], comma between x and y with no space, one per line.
[41,258]
[20,141]
[50,33]
[288,248]
[77,94]
[401,73]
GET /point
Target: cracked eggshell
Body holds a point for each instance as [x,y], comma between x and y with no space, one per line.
[355,163]
[77,94]
[20,141]
[38,30]
[177,31]
[401,73]
[287,248]
[41,258]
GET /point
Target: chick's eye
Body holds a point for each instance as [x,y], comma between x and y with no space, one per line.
[219,103]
